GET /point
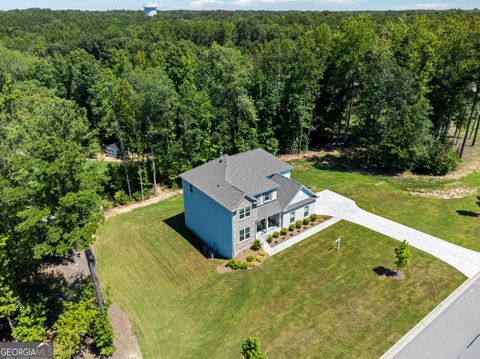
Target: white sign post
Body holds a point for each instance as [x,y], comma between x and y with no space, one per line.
[338,243]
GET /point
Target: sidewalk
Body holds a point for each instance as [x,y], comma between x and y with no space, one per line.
[298,238]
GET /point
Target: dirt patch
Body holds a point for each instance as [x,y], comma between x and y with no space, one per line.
[305,154]
[125,340]
[162,193]
[449,192]
[70,270]
[398,275]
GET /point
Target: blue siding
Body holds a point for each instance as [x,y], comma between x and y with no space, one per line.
[208,220]
[284,173]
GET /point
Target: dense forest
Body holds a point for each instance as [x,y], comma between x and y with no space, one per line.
[391,88]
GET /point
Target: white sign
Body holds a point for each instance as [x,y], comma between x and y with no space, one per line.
[338,241]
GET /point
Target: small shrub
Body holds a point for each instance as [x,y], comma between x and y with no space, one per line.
[243,265]
[298,224]
[103,335]
[291,227]
[251,349]
[256,245]
[252,264]
[232,263]
[137,196]
[269,238]
[306,221]
[262,253]
[276,234]
[120,198]
[259,258]
[250,258]
[283,231]
[313,217]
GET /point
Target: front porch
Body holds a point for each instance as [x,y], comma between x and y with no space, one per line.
[267,225]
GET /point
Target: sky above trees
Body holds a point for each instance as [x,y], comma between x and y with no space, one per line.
[243,4]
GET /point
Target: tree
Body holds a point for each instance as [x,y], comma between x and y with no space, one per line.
[251,348]
[8,300]
[30,324]
[102,335]
[80,318]
[402,255]
[74,324]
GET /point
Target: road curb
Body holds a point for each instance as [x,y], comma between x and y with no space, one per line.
[407,338]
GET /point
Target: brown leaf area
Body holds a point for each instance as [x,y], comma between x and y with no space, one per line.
[162,193]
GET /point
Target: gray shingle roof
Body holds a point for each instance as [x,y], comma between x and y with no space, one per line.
[287,190]
[261,162]
[229,178]
[268,209]
[299,204]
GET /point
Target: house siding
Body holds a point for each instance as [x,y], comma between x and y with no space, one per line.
[298,214]
[300,196]
[285,173]
[239,224]
[208,220]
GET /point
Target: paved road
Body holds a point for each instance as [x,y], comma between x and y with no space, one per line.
[464,260]
[451,331]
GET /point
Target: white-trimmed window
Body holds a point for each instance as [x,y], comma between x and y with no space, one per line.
[292,216]
[267,197]
[245,212]
[305,211]
[244,234]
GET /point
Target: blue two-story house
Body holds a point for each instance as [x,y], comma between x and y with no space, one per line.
[232,200]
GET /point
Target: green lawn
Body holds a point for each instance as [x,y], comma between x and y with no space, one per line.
[388,196]
[308,301]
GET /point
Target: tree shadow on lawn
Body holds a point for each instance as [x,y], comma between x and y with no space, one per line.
[468,213]
[177,223]
[381,270]
[352,160]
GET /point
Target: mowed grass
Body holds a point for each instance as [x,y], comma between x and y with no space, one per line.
[454,220]
[306,302]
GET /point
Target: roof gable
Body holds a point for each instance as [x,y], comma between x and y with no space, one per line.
[288,190]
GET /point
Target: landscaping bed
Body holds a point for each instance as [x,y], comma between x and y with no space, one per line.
[277,237]
[247,259]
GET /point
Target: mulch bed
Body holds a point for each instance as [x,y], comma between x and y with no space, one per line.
[276,241]
[242,257]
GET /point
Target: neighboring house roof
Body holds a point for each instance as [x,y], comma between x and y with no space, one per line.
[230,178]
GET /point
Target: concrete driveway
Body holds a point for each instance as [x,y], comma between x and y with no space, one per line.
[334,204]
